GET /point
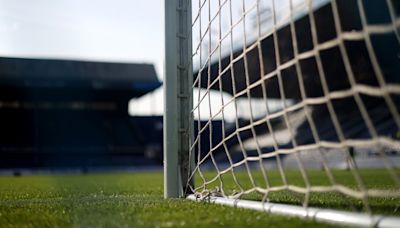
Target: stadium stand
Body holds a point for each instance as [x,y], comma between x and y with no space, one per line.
[74,114]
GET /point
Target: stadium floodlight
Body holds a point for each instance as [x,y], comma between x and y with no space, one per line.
[289,107]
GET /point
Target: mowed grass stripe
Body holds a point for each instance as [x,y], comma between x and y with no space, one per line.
[136,199]
[116,200]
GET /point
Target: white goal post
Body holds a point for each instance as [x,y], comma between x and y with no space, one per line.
[285,106]
[177,96]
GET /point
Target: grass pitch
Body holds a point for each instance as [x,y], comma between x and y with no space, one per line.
[377,179]
[116,200]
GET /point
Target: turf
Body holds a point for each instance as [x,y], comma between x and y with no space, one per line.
[116,200]
[378,179]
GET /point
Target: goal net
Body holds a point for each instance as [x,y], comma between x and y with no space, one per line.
[297,102]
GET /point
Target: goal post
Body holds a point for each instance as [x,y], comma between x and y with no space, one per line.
[178,79]
[285,106]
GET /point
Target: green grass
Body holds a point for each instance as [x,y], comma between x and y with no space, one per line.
[135,199]
[116,200]
[378,179]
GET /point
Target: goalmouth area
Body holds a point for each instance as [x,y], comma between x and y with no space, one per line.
[286,107]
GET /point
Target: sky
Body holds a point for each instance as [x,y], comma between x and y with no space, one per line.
[110,30]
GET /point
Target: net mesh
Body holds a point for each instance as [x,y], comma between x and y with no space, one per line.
[296,101]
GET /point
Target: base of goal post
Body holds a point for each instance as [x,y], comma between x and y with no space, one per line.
[317,214]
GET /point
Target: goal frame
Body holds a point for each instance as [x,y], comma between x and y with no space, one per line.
[178,131]
[178,102]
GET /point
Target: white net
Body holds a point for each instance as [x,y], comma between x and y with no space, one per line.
[296,102]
